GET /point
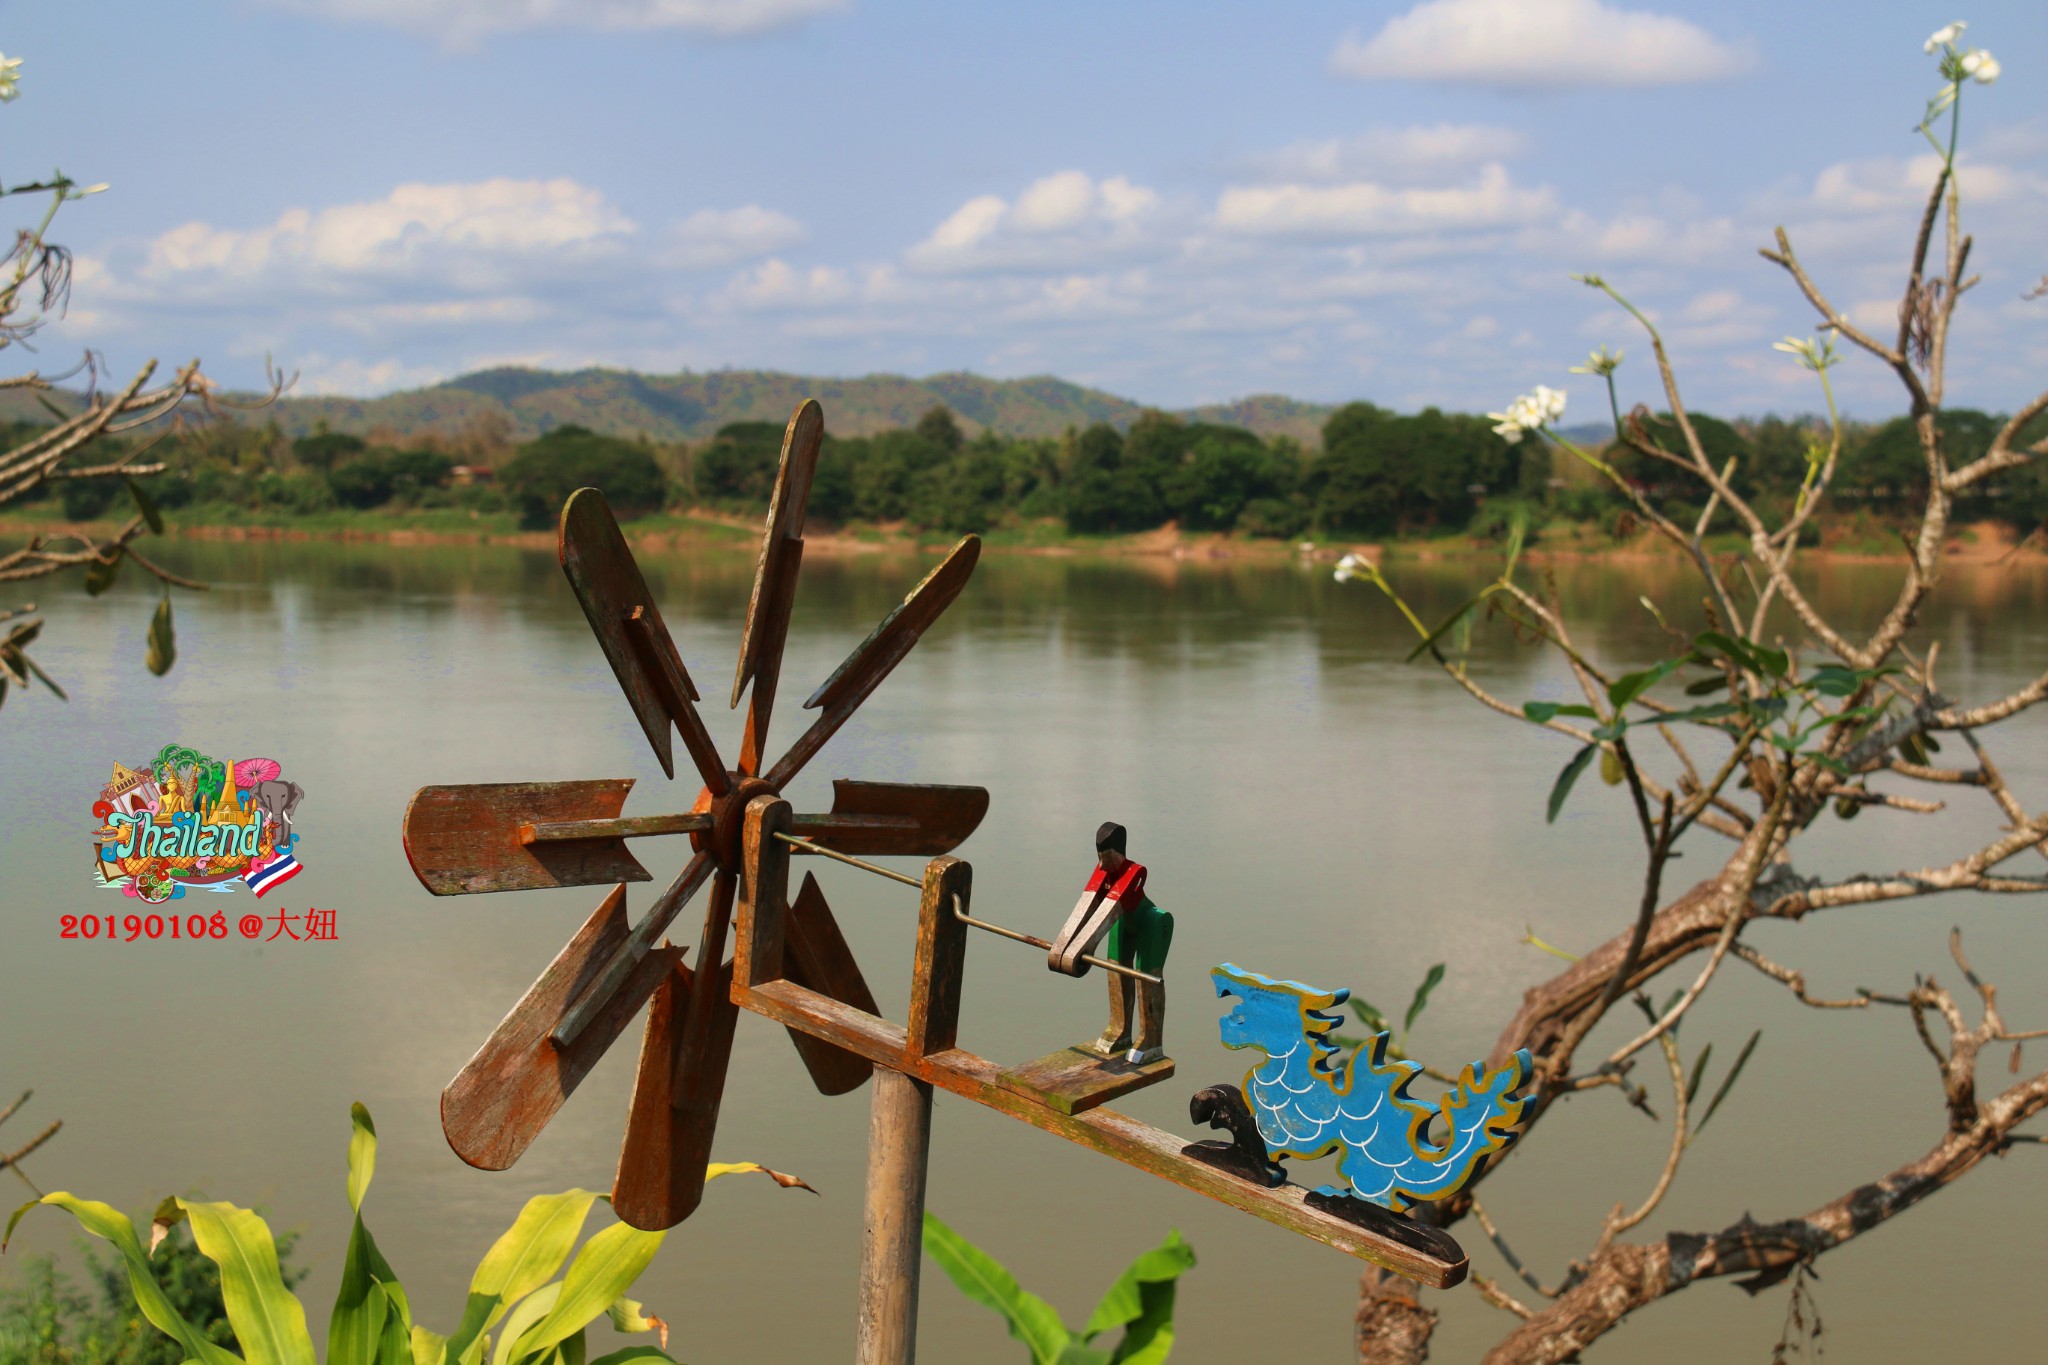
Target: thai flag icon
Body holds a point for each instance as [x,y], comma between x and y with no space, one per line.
[278,873]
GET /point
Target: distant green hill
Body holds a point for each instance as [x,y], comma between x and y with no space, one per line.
[692,406]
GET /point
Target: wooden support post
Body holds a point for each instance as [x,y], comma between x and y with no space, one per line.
[941,957]
[892,1250]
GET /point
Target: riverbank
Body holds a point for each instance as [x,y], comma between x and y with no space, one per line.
[705,528]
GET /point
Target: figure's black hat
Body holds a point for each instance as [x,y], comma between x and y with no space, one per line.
[1111,835]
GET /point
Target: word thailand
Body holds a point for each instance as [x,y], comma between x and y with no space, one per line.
[143,835]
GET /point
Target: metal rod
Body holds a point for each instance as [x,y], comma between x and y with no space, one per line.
[807,846]
[1119,968]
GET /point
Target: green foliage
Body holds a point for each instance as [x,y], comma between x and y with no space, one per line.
[540,478]
[86,499]
[1141,1302]
[325,449]
[229,1289]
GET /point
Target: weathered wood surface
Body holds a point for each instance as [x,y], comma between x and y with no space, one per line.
[638,943]
[628,625]
[1094,915]
[871,661]
[940,966]
[761,638]
[679,1085]
[499,1102]
[1077,1079]
[462,840]
[1104,1130]
[625,827]
[642,1188]
[927,819]
[892,1241]
[661,1165]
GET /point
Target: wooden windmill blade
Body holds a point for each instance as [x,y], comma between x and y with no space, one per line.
[526,1069]
[524,836]
[775,573]
[495,837]
[499,1102]
[609,584]
[680,1084]
[909,818]
[872,660]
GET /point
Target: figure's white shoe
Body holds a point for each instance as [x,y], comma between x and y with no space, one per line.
[1150,1054]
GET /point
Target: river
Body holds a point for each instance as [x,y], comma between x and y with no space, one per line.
[1310,806]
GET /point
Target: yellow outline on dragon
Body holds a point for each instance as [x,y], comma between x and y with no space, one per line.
[1311,1097]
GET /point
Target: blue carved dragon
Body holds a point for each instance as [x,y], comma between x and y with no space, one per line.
[1311,1097]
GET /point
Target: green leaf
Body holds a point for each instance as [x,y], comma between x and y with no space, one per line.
[602,1272]
[269,1321]
[522,1318]
[147,506]
[372,1320]
[521,1261]
[163,638]
[1369,1015]
[362,1154]
[1737,650]
[428,1348]
[1692,1084]
[1141,1302]
[630,1316]
[101,573]
[103,1220]
[1421,1000]
[633,1355]
[1728,1082]
[1833,680]
[1562,788]
[1706,687]
[983,1279]
[1543,711]
[1629,686]
[1611,731]
[1611,770]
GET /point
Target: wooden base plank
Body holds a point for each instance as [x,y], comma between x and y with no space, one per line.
[1077,1079]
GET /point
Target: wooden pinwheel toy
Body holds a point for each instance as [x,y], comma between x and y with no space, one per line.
[521,836]
[790,964]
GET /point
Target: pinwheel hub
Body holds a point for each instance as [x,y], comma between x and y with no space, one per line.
[728,818]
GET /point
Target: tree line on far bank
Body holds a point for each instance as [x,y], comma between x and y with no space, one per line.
[1378,473]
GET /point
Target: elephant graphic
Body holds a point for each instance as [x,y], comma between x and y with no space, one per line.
[277,799]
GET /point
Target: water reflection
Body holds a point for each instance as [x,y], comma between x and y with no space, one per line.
[1311,805]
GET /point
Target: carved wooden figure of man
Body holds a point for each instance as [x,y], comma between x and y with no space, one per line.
[1115,912]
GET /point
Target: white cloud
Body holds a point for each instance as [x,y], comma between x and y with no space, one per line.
[1538,45]
[716,237]
[1365,207]
[459,236]
[321,374]
[1396,154]
[776,283]
[1061,221]
[462,22]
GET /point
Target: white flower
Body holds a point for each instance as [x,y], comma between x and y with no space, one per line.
[10,76]
[1941,37]
[1600,362]
[1347,568]
[1530,412]
[1812,355]
[1981,66]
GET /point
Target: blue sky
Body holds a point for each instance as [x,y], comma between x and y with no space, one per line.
[1179,202]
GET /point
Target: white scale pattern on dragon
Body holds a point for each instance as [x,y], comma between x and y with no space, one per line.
[1311,1097]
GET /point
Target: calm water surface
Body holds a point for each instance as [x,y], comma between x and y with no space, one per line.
[1309,805]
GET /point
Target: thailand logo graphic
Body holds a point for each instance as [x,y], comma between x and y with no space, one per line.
[185,820]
